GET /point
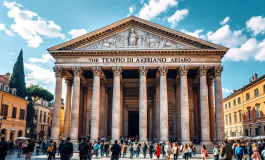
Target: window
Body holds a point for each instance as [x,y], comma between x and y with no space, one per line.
[226,120]
[249,113]
[250,131]
[230,121]
[257,131]
[229,105]
[14,112]
[240,116]
[44,118]
[247,96]
[258,111]
[256,92]
[235,117]
[234,102]
[226,106]
[238,100]
[40,116]
[264,88]
[22,114]
[246,132]
[4,110]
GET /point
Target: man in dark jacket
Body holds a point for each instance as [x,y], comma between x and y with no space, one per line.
[3,148]
[227,152]
[115,149]
[249,150]
[29,149]
[67,149]
[83,149]
[11,147]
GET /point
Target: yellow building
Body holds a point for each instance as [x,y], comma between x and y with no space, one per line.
[244,108]
[13,111]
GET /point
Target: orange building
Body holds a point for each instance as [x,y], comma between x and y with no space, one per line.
[13,111]
[244,108]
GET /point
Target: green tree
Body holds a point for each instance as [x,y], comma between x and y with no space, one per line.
[37,92]
[30,116]
[18,77]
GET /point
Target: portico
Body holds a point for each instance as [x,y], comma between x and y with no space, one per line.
[137,71]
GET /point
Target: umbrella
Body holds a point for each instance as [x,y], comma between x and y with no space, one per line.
[258,137]
[23,138]
[237,138]
[248,138]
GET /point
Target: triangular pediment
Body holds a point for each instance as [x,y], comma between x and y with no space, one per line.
[133,33]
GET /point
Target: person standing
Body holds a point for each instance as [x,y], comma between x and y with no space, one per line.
[11,147]
[96,147]
[101,146]
[204,152]
[67,149]
[255,155]
[131,151]
[3,148]
[175,151]
[144,148]
[239,151]
[29,149]
[54,150]
[193,150]
[83,150]
[185,151]
[215,153]
[89,156]
[249,150]
[106,149]
[163,149]
[158,150]
[227,151]
[115,149]
[50,150]
[124,150]
[135,149]
[167,150]
[138,150]
[151,150]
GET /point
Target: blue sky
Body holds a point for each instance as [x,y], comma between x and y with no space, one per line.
[35,26]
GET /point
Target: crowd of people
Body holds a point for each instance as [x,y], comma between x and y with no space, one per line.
[115,149]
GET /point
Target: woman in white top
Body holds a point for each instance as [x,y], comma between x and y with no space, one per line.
[175,151]
[167,149]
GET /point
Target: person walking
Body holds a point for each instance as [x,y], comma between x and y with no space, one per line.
[138,150]
[204,152]
[144,148]
[239,151]
[89,156]
[185,151]
[101,146]
[96,148]
[215,153]
[29,149]
[83,150]
[255,155]
[54,150]
[175,151]
[131,151]
[135,148]
[106,149]
[193,150]
[67,149]
[167,150]
[115,149]
[163,149]
[11,147]
[124,150]
[151,150]
[50,150]
[3,148]
[158,150]
[227,151]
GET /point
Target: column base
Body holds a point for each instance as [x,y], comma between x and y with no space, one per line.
[206,142]
[185,141]
[141,141]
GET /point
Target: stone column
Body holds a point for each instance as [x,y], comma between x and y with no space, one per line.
[116,103]
[75,104]
[125,121]
[95,103]
[184,104]
[211,108]
[121,120]
[142,104]
[56,113]
[102,106]
[106,113]
[205,121]
[178,110]
[150,120]
[163,104]
[88,109]
[157,107]
[85,112]
[219,112]
[67,109]
[81,110]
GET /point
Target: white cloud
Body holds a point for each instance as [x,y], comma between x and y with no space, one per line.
[226,37]
[256,25]
[38,74]
[196,33]
[155,7]
[177,17]
[30,26]
[132,8]
[77,32]
[8,32]
[225,21]
[226,90]
[44,59]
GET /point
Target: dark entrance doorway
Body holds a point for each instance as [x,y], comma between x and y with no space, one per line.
[133,123]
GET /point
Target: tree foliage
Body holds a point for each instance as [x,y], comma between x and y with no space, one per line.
[30,116]
[38,92]
[18,77]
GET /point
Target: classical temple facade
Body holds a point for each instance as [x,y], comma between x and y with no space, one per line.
[134,77]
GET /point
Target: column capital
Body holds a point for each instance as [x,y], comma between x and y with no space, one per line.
[202,70]
[218,70]
[116,70]
[96,71]
[59,72]
[77,71]
[143,70]
[163,70]
[183,70]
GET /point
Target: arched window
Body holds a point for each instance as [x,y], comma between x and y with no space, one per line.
[19,134]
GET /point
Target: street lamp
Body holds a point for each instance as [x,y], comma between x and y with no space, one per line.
[259,123]
[28,129]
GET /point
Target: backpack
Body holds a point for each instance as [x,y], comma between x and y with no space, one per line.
[83,149]
[65,148]
[131,149]
[50,148]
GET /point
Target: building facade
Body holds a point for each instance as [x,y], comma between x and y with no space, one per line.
[134,77]
[244,108]
[13,111]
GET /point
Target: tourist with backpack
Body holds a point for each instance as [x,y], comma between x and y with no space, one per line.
[115,149]
[3,148]
[50,150]
[124,150]
[83,149]
[67,149]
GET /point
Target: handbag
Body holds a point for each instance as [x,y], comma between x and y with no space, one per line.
[206,154]
[253,156]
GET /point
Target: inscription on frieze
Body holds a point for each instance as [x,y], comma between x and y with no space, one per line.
[139,60]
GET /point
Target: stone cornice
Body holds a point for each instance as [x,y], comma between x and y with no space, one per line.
[65,53]
[138,23]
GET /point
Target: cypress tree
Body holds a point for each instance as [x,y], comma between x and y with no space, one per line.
[18,77]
